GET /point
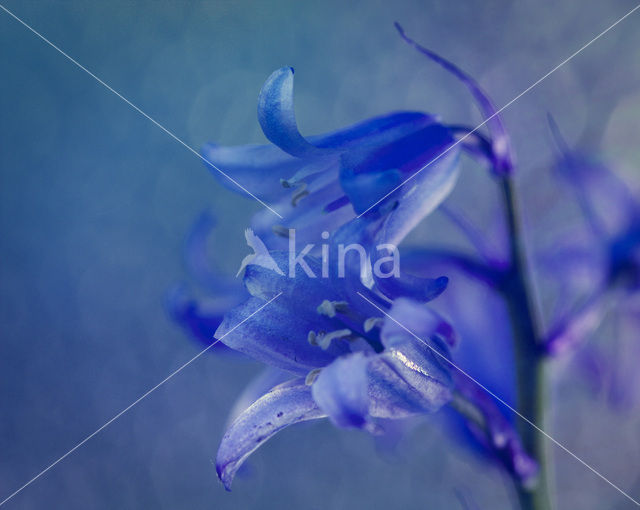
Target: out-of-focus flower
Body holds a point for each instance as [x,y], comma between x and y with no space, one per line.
[200,317]
[610,249]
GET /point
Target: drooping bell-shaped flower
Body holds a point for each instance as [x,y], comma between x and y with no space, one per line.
[321,182]
[347,362]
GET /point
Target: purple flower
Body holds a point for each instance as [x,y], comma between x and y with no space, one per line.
[611,246]
[371,184]
[322,182]
[401,164]
[346,361]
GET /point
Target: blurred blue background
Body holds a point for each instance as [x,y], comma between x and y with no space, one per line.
[95,202]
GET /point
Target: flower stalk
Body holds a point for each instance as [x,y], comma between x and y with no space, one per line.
[529,357]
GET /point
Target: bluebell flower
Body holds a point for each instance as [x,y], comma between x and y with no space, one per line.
[320,183]
[346,361]
[371,184]
[610,249]
[404,163]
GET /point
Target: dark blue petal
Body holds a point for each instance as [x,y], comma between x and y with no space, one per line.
[624,257]
[367,174]
[500,143]
[341,391]
[406,285]
[285,405]
[199,318]
[419,197]
[366,188]
[277,116]
[375,132]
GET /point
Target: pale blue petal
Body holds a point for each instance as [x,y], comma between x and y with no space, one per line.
[341,391]
[277,116]
[284,405]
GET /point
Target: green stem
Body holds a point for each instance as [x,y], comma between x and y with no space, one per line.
[529,361]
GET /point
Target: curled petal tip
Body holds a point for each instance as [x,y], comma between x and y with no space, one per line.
[277,117]
[224,477]
[284,405]
[500,143]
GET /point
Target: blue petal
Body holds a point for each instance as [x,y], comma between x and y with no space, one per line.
[260,385]
[625,257]
[367,174]
[285,405]
[278,334]
[341,391]
[258,168]
[411,376]
[307,218]
[400,387]
[376,131]
[485,350]
[409,286]
[410,319]
[365,189]
[500,143]
[199,318]
[420,196]
[277,117]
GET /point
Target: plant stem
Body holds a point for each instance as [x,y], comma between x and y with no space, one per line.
[529,362]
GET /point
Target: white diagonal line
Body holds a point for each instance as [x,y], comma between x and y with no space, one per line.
[176,138]
[460,140]
[145,395]
[475,381]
